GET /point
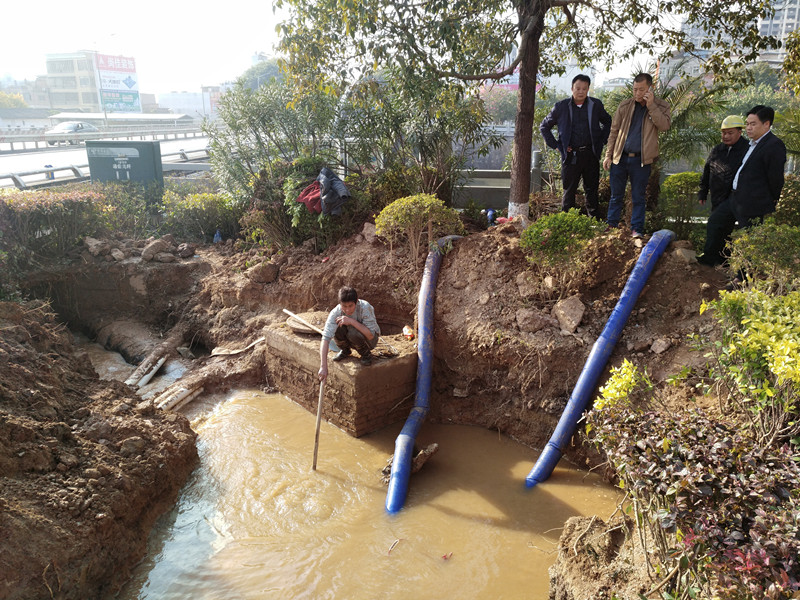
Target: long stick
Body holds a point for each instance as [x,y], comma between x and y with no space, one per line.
[319,419]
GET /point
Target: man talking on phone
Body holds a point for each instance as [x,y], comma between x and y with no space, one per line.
[633,148]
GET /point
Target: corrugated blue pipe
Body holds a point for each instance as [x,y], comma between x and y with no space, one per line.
[598,358]
[404,445]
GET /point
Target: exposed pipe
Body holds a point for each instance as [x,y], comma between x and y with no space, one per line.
[146,379]
[404,445]
[598,358]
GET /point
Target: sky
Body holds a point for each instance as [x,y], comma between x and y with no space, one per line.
[177,46]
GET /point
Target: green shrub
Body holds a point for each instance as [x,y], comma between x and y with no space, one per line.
[266,223]
[130,208]
[788,210]
[678,203]
[769,253]
[559,238]
[756,360]
[719,511]
[49,222]
[198,216]
[412,219]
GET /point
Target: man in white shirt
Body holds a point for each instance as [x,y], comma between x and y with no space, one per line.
[352,325]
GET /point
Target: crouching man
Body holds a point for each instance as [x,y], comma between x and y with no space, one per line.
[352,325]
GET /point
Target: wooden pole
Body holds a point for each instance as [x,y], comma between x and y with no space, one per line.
[319,419]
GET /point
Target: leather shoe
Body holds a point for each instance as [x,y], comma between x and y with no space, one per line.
[366,360]
[341,355]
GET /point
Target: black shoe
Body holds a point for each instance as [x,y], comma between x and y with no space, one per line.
[366,359]
[342,354]
[706,260]
[734,284]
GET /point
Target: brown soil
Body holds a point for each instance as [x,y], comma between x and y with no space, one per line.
[87,466]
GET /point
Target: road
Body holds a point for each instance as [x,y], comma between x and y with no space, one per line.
[65,156]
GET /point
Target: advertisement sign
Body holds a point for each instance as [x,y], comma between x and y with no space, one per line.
[114,101]
[119,85]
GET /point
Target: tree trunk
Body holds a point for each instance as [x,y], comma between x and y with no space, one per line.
[523,128]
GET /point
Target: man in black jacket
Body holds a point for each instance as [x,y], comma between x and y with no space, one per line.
[583,128]
[756,186]
[723,162]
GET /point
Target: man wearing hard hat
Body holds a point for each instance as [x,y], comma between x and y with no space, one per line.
[756,186]
[720,169]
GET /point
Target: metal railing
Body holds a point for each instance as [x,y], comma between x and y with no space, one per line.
[27,142]
[46,177]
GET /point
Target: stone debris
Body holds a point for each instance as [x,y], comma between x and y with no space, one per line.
[686,255]
[266,272]
[569,313]
[533,320]
[660,346]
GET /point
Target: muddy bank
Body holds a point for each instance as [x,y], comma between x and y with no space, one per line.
[503,360]
[86,469]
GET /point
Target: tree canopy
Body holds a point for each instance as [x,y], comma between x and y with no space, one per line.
[330,43]
[8,100]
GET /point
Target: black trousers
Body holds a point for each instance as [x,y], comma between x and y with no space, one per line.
[580,164]
[720,225]
[348,337]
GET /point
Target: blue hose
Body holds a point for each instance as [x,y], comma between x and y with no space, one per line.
[404,445]
[598,358]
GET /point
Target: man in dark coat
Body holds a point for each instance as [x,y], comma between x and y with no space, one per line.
[723,162]
[756,185]
[583,127]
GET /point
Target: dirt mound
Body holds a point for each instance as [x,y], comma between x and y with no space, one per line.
[85,470]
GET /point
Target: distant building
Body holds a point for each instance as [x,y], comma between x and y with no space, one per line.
[94,82]
[198,105]
[783,22]
[24,120]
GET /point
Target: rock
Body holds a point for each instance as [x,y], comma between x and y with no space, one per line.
[153,248]
[569,313]
[118,254]
[165,257]
[266,272]
[660,345]
[68,460]
[460,392]
[368,231]
[96,247]
[132,446]
[169,239]
[526,287]
[186,250]
[640,345]
[549,283]
[686,255]
[532,320]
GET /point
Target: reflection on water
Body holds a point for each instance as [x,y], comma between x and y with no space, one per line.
[255,521]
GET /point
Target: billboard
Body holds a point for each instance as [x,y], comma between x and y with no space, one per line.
[119,85]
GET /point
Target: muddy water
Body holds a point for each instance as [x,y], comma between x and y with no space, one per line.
[254,521]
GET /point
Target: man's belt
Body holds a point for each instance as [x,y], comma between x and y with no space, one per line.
[632,154]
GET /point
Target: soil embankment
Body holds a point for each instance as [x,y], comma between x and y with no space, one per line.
[87,466]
